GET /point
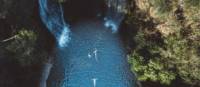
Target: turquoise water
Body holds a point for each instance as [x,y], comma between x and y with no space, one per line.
[89,52]
[94,58]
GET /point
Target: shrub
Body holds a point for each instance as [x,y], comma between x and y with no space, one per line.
[22,48]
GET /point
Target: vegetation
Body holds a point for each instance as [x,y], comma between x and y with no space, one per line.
[165,38]
[168,48]
[22,48]
[61,1]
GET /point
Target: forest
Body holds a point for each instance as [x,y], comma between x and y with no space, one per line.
[161,39]
[165,48]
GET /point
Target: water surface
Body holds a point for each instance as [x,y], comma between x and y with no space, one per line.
[94,58]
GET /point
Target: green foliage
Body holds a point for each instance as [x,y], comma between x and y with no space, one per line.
[149,67]
[22,48]
[193,3]
[175,57]
[160,10]
[184,57]
[153,70]
[164,63]
[191,10]
[167,40]
[61,1]
[162,6]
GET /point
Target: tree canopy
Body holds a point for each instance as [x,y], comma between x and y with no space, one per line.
[170,47]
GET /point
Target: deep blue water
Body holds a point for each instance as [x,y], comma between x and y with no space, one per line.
[94,58]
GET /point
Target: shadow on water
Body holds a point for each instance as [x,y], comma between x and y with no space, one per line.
[75,10]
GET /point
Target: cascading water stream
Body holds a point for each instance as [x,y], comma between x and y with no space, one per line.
[115,14]
[95,56]
[51,14]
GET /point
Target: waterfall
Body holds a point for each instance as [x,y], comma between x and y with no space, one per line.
[51,14]
[115,14]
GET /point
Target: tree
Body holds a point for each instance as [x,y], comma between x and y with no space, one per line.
[167,48]
[22,48]
[164,63]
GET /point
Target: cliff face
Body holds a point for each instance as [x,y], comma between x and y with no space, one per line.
[17,9]
[16,15]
